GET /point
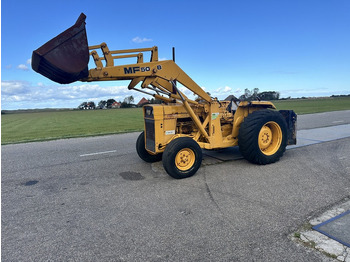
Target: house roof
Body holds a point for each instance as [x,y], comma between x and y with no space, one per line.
[230,98]
[143,101]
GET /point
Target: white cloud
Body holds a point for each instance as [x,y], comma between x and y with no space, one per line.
[139,40]
[223,92]
[21,94]
[9,88]
[187,92]
[23,67]
[238,91]
[227,89]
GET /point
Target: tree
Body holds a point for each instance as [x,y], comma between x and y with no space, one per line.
[127,103]
[110,102]
[124,105]
[269,95]
[254,94]
[155,101]
[82,105]
[246,96]
[129,99]
[102,104]
[91,105]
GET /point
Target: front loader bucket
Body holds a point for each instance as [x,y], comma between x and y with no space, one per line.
[64,59]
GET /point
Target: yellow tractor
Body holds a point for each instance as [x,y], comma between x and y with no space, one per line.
[177,130]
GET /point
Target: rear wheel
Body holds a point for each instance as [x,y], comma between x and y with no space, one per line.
[182,157]
[262,137]
[143,153]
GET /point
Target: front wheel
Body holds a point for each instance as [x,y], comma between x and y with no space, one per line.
[262,137]
[182,157]
[143,153]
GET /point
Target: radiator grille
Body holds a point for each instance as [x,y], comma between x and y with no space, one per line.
[150,138]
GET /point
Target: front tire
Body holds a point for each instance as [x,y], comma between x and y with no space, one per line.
[262,137]
[182,157]
[143,153]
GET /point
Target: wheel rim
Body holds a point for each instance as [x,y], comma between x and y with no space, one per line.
[185,159]
[270,138]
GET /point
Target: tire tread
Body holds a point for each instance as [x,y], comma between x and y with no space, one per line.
[248,133]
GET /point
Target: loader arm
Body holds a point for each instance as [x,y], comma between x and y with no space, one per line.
[148,72]
[158,76]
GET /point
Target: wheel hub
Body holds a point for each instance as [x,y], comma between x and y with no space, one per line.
[270,138]
[265,137]
[185,159]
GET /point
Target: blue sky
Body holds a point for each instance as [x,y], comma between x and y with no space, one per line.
[296,47]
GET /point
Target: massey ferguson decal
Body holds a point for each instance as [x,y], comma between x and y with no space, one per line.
[134,69]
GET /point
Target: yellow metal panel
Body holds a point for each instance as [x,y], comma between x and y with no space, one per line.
[262,104]
[214,124]
[172,71]
[244,109]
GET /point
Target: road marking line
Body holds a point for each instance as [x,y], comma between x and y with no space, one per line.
[338,121]
[99,153]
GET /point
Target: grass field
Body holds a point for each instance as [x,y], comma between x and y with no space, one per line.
[41,125]
[309,106]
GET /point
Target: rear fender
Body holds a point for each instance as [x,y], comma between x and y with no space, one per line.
[291,119]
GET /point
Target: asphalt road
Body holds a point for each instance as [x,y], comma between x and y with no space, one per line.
[93,199]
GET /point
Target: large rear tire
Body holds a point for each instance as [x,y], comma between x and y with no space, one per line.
[182,157]
[262,137]
[143,153]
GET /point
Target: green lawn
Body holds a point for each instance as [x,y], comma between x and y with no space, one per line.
[38,126]
[310,106]
[41,125]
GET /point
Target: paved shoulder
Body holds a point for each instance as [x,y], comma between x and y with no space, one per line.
[325,119]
